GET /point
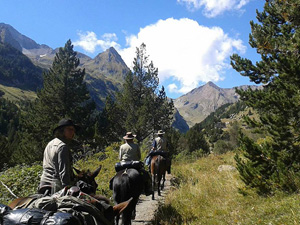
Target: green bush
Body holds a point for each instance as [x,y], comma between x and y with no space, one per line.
[222,147]
[22,180]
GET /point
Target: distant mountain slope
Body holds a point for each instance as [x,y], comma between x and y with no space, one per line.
[16,70]
[109,64]
[21,42]
[179,123]
[196,105]
[104,74]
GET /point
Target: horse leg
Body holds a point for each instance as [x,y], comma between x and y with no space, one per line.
[117,219]
[153,185]
[133,214]
[163,180]
[158,184]
[129,213]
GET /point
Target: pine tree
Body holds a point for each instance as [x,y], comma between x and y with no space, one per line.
[110,123]
[163,112]
[64,95]
[275,161]
[196,141]
[145,108]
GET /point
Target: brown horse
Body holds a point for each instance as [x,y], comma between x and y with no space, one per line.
[159,167]
[90,187]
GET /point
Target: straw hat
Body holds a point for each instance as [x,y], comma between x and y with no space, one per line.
[160,132]
[129,136]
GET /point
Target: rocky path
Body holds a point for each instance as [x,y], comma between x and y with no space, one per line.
[146,207]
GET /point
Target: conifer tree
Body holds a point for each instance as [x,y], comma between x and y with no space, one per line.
[109,125]
[196,141]
[163,111]
[64,95]
[145,108]
[273,162]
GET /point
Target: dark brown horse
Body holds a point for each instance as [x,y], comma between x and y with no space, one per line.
[159,166]
[88,183]
[127,184]
[86,176]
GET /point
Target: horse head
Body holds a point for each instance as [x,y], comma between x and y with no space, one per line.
[86,180]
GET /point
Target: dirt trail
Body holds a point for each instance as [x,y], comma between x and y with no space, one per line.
[146,207]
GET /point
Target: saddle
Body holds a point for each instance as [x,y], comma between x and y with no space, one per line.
[138,165]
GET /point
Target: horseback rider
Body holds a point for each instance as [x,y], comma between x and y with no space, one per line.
[130,152]
[57,161]
[159,147]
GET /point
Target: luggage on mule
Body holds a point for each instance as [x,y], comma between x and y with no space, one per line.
[80,210]
[128,164]
[31,216]
[87,213]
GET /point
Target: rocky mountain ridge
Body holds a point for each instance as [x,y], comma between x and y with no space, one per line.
[196,105]
[105,75]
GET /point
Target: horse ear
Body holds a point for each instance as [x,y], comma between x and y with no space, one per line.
[77,170]
[96,172]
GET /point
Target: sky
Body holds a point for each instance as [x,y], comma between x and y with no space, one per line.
[189,41]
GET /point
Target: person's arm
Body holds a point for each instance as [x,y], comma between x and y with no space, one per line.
[120,153]
[154,145]
[64,165]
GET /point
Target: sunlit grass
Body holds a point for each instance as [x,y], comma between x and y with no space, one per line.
[208,196]
[15,94]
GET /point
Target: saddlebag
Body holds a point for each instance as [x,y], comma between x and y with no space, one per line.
[38,216]
[130,164]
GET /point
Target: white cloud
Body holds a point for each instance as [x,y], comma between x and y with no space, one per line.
[213,8]
[89,42]
[184,51]
[172,88]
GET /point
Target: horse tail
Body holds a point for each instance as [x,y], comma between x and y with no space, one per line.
[126,187]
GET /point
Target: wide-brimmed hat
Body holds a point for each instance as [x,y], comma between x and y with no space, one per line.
[129,136]
[66,122]
[160,132]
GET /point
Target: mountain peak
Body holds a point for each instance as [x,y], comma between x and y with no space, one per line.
[112,50]
[109,56]
[211,84]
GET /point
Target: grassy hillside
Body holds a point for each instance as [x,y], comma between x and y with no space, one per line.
[204,195]
[16,94]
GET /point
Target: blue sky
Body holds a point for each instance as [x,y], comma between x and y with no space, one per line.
[189,41]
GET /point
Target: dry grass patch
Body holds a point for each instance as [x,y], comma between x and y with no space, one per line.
[208,196]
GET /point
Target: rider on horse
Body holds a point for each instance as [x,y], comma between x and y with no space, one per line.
[57,161]
[159,147]
[130,152]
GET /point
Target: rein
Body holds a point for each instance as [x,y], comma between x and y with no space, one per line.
[10,191]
